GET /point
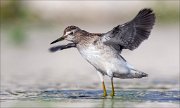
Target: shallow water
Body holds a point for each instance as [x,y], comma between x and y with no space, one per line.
[91,98]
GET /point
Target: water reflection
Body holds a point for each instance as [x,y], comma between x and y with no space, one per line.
[92,98]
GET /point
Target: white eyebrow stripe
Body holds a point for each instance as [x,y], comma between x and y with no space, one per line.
[67,33]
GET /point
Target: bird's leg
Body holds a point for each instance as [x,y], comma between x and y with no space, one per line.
[104,89]
[112,84]
[103,84]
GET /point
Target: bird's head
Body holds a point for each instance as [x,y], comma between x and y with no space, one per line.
[69,34]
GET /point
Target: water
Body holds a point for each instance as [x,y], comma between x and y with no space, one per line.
[91,98]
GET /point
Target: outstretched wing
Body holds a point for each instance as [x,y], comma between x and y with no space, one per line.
[131,34]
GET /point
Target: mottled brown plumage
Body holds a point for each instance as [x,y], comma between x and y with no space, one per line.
[102,50]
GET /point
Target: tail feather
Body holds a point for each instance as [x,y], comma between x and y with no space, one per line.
[133,74]
[137,74]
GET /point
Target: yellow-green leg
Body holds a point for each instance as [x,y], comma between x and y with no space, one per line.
[103,84]
[104,89]
[112,84]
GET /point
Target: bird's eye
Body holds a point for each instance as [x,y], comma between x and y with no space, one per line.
[71,33]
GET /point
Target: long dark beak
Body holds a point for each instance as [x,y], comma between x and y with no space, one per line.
[59,39]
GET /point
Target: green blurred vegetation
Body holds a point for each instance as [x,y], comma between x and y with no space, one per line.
[165,13]
[17,35]
[15,16]
[14,11]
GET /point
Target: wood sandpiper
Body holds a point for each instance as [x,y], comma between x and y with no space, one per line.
[102,50]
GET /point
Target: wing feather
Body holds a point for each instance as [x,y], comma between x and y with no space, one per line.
[131,34]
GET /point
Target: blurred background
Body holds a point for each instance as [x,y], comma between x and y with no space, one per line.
[28,27]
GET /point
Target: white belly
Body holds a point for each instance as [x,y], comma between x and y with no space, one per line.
[104,61]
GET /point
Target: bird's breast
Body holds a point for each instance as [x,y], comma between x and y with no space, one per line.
[92,54]
[102,58]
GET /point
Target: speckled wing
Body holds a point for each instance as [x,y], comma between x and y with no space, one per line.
[131,34]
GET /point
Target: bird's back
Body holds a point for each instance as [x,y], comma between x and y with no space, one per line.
[104,58]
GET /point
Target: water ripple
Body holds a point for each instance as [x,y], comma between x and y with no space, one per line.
[121,95]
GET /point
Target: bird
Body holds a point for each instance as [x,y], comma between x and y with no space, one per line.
[103,50]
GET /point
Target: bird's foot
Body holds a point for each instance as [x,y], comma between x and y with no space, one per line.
[104,94]
[112,94]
